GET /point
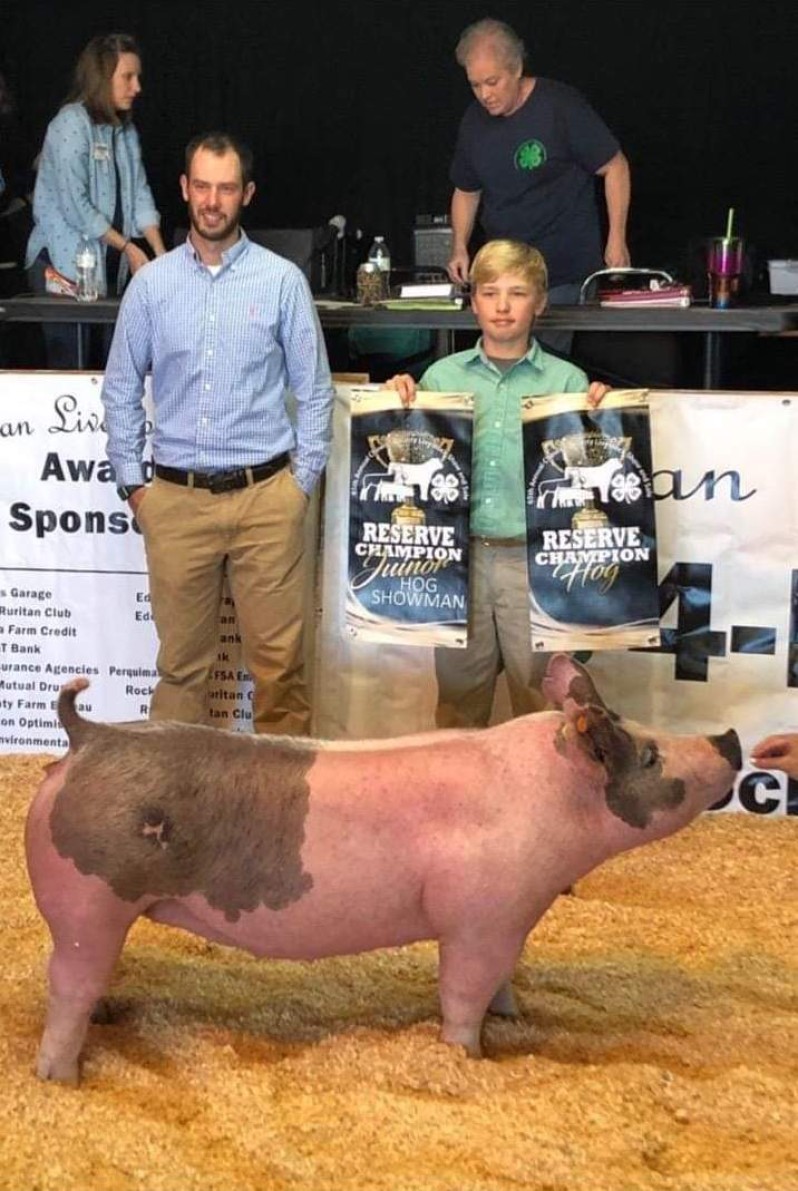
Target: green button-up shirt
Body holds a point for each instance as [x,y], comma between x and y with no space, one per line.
[497,473]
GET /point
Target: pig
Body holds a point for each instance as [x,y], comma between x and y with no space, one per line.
[416,475]
[292,848]
[597,478]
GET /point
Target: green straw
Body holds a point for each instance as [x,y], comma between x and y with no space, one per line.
[729,223]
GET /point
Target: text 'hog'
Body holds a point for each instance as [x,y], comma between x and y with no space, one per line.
[297,849]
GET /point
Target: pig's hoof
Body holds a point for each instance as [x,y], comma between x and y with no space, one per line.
[59,1072]
[464,1038]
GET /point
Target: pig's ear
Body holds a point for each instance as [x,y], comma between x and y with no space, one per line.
[594,731]
[568,682]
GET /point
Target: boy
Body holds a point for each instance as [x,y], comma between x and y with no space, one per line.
[508,292]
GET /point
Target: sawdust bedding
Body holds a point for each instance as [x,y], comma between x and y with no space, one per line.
[657,1048]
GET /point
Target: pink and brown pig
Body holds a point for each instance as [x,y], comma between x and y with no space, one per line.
[296,849]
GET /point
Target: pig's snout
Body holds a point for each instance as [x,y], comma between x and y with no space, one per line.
[728,745]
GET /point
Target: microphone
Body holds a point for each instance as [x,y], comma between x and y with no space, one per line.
[338,222]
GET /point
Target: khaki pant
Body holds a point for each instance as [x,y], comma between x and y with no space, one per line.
[254,537]
[498,639]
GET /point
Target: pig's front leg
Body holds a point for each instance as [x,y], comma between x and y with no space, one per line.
[474,971]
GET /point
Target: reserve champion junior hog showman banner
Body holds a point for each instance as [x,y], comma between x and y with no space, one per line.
[73,584]
[410,481]
[591,536]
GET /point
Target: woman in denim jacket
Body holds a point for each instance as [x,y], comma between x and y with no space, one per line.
[91,180]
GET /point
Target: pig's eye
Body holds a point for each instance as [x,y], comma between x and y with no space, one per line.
[648,756]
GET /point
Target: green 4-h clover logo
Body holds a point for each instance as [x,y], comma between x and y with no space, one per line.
[530,156]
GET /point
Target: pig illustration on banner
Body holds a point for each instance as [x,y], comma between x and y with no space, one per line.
[297,849]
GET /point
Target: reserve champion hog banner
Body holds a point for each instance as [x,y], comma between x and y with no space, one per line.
[410,481]
[591,538]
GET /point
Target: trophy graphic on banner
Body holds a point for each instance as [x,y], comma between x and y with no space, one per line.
[413,459]
[589,466]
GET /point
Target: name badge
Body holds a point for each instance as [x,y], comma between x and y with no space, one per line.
[100,152]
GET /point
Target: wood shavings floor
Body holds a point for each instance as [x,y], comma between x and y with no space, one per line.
[657,1048]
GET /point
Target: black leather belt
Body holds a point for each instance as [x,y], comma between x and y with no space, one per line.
[223,481]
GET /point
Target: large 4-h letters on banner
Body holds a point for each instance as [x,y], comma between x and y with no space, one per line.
[590,523]
[409,490]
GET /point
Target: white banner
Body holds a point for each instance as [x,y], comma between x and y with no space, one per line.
[73,584]
[727,536]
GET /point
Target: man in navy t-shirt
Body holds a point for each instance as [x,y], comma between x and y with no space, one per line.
[527,153]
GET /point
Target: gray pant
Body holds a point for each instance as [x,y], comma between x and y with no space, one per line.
[498,639]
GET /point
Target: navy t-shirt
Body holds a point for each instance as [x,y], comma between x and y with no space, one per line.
[536,172]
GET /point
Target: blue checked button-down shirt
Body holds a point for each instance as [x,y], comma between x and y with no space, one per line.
[224,351]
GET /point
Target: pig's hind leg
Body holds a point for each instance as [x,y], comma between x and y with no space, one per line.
[82,961]
[474,975]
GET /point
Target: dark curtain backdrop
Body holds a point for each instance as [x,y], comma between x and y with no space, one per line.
[351,106]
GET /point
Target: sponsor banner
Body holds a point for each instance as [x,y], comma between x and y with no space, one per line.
[410,479]
[591,541]
[74,594]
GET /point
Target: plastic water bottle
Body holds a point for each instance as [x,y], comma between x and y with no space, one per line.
[380,256]
[86,266]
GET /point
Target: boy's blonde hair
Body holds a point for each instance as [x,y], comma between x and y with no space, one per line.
[509,256]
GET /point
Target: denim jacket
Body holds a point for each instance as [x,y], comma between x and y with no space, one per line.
[75,192]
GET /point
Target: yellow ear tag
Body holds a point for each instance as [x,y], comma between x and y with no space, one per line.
[581,724]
